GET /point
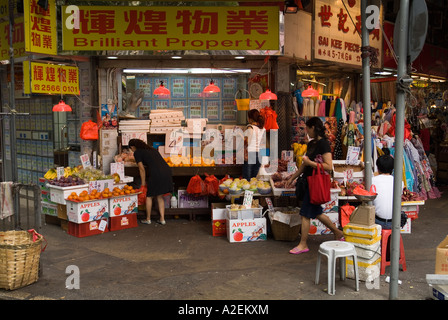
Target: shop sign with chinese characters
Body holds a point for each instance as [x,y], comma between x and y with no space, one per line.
[338,32]
[40,27]
[50,78]
[171,28]
[18,39]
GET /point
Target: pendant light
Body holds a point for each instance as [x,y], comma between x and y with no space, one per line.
[310,92]
[268,95]
[61,106]
[211,88]
[162,90]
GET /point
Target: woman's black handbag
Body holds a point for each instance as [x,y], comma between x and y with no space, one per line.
[301,187]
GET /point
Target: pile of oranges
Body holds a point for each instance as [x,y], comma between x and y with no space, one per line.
[95,194]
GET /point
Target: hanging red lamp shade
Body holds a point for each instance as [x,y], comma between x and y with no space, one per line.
[62,107]
[162,90]
[211,88]
[310,92]
[268,95]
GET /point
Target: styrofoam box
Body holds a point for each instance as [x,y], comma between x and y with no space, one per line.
[361,231]
[123,205]
[81,212]
[60,194]
[367,251]
[357,176]
[246,230]
[367,271]
[333,204]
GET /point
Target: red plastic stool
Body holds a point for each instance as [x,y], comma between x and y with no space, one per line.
[385,251]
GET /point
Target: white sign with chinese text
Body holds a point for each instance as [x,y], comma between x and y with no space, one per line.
[337,36]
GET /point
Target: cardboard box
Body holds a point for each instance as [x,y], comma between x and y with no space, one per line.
[62,211]
[219,219]
[363,215]
[187,201]
[123,205]
[246,230]
[123,222]
[81,212]
[59,194]
[318,228]
[353,173]
[91,228]
[442,257]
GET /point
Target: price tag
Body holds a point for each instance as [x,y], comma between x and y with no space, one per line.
[248,195]
[103,225]
[60,172]
[100,185]
[85,161]
[269,203]
[352,155]
[117,167]
[174,141]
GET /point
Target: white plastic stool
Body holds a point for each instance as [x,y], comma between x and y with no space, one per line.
[334,250]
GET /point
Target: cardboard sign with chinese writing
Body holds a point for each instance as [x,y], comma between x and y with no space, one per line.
[172,28]
[50,79]
[40,27]
[336,38]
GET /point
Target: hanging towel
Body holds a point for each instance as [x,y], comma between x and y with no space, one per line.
[7,204]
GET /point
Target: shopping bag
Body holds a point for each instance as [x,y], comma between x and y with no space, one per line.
[89,131]
[319,185]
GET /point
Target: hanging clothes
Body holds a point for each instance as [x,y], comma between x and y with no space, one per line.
[6,200]
[343,110]
[338,109]
[332,108]
[321,112]
[327,107]
[338,143]
[299,99]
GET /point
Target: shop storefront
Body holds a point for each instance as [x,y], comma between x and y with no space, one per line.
[123,58]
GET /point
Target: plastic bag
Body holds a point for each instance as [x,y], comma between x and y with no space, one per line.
[346,212]
[89,131]
[142,195]
[212,185]
[196,187]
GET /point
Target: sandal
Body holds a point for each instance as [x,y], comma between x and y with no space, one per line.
[145,221]
[296,250]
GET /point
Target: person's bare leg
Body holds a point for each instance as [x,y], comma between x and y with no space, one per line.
[338,234]
[161,204]
[148,208]
[305,228]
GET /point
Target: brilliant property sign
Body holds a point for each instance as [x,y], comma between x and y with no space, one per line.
[170,28]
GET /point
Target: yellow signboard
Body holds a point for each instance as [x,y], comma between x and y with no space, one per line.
[170,28]
[18,39]
[40,26]
[50,79]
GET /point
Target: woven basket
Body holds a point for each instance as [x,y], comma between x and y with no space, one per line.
[283,232]
[19,259]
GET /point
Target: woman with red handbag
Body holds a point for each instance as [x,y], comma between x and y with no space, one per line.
[318,152]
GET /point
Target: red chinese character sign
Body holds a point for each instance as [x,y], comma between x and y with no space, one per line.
[40,27]
[337,36]
[171,28]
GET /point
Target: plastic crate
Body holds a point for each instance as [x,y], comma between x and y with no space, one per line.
[123,222]
[81,230]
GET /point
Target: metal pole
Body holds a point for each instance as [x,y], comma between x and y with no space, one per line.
[399,138]
[366,98]
[12,125]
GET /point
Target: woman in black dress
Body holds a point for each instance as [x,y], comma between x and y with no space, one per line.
[155,174]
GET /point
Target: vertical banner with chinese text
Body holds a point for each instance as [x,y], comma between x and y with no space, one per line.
[40,27]
[337,36]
